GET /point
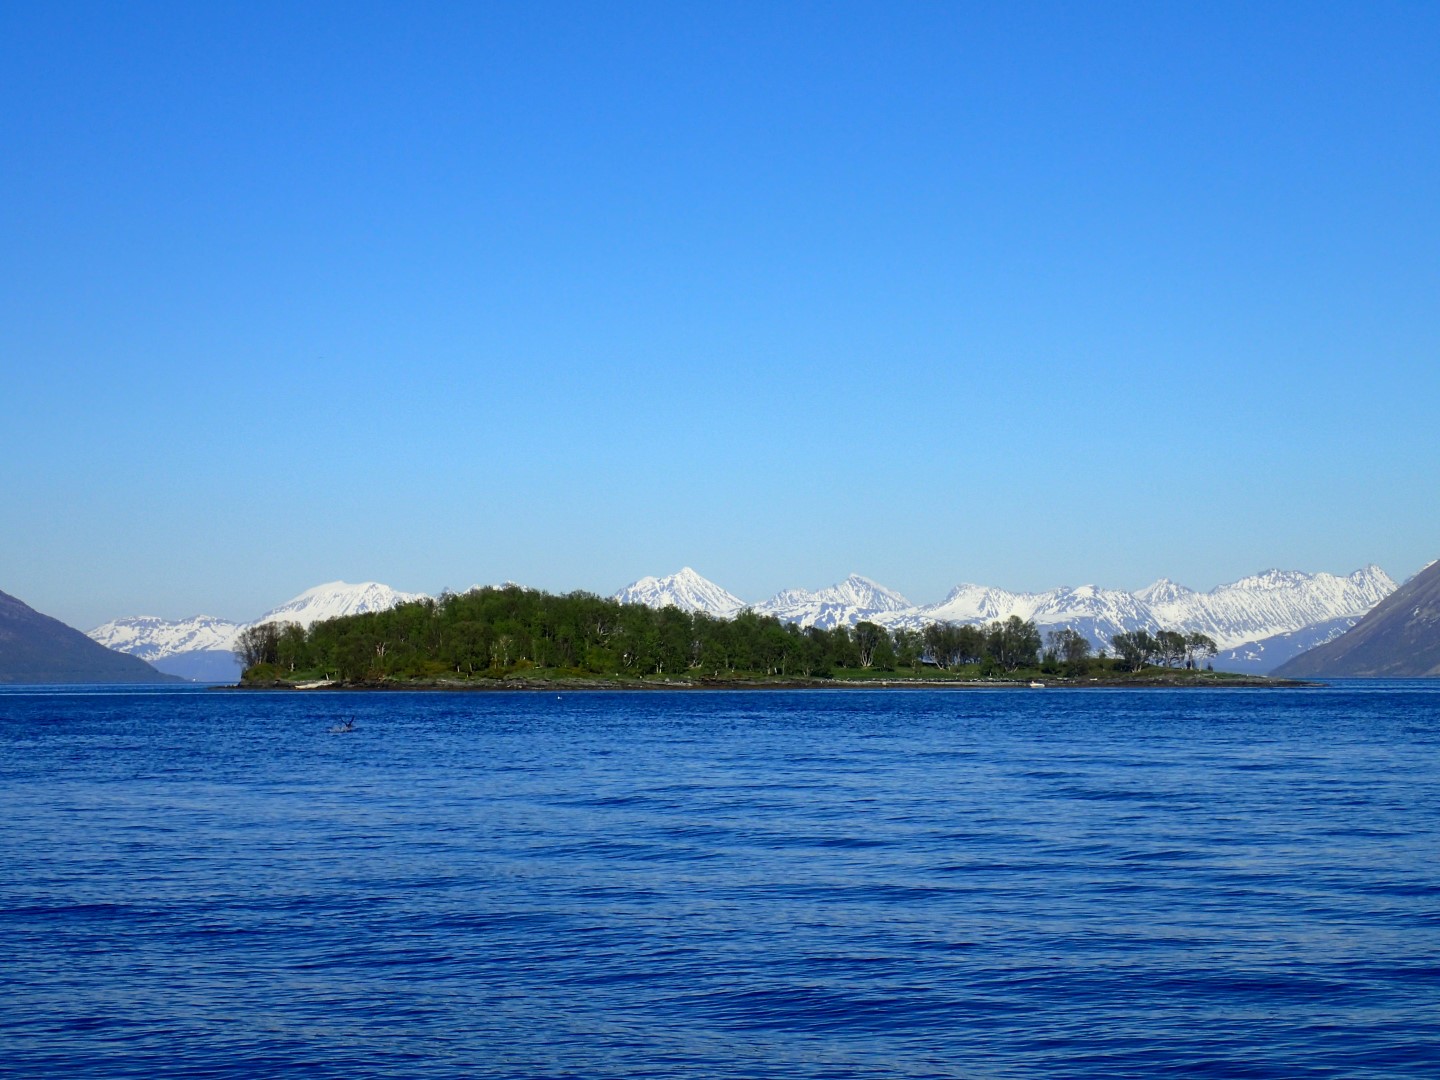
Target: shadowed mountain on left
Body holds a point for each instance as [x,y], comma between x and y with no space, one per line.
[35,648]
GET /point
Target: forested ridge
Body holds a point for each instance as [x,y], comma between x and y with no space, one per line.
[498,633]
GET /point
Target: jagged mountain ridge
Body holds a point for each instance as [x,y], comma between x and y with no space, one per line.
[1260,621]
[1248,610]
[1097,613]
[1275,602]
[153,638]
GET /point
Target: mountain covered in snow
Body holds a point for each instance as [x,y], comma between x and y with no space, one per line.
[336,599]
[152,638]
[1248,610]
[846,603]
[1097,613]
[197,648]
[201,647]
[1257,622]
[685,590]
[1269,603]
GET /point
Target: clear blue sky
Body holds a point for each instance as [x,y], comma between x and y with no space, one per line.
[568,294]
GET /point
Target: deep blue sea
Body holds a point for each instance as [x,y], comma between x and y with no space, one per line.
[1057,883]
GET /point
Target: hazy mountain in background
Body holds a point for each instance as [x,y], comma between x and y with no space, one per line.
[35,648]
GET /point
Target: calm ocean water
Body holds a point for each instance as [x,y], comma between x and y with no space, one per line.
[769,885]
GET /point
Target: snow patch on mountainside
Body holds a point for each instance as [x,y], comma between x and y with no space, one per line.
[685,590]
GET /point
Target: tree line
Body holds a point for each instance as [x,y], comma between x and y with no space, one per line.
[1166,648]
[493,632]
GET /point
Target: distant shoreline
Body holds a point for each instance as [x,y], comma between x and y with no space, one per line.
[1177,681]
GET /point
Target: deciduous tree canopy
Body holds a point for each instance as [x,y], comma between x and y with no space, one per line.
[493,632]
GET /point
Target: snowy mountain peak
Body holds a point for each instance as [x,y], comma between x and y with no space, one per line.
[973,603]
[1163,591]
[855,591]
[1372,576]
[862,592]
[685,590]
[335,599]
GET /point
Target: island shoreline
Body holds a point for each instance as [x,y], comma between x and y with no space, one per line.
[1237,682]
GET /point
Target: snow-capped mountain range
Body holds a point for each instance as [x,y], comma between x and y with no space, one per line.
[1258,622]
[201,647]
[152,638]
[1247,610]
[846,602]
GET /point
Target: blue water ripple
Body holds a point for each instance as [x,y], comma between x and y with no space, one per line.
[791,885]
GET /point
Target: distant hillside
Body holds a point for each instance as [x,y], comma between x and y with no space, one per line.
[1399,639]
[35,648]
[1264,656]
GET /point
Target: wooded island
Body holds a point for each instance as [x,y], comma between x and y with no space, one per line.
[513,635]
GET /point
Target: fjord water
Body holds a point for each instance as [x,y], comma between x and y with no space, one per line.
[810,884]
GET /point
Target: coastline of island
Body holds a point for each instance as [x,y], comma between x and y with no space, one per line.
[553,683]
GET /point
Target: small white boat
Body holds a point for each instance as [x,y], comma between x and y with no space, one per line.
[1036,684]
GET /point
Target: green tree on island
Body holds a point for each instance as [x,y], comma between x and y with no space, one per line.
[495,633]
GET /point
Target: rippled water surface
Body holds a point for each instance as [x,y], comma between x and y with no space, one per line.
[811,884]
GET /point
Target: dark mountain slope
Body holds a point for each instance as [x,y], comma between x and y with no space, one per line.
[35,648]
[1399,639]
